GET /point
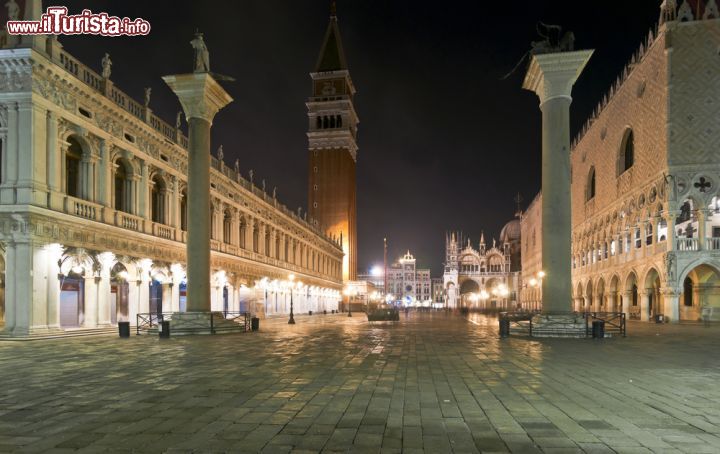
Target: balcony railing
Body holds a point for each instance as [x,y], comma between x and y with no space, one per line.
[686,244]
[163,231]
[82,208]
[712,244]
[129,222]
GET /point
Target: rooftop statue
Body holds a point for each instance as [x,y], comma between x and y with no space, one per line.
[148,93]
[106,66]
[13,10]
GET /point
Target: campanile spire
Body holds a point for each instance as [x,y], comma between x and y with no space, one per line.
[332,145]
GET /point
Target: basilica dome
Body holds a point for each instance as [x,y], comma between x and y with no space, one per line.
[511,231]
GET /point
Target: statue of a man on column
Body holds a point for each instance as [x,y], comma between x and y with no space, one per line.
[202,55]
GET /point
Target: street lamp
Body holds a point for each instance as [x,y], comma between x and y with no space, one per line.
[292,288]
[349,293]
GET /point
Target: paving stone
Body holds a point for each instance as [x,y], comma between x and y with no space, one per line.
[431,383]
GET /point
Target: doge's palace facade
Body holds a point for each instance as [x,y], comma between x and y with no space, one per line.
[645,179]
[93,211]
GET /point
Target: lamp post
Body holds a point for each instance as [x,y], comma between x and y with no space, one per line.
[349,293]
[292,288]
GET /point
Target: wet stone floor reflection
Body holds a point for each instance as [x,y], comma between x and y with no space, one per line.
[430,383]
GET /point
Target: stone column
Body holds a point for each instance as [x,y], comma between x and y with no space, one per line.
[551,77]
[626,302]
[141,188]
[53,292]
[671,305]
[702,215]
[670,217]
[645,305]
[175,296]
[103,295]
[90,300]
[104,175]
[201,98]
[174,207]
[133,301]
[612,302]
[53,160]
[87,168]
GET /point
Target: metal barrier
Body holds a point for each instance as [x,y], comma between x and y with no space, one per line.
[615,322]
[147,321]
[521,323]
[150,320]
[241,318]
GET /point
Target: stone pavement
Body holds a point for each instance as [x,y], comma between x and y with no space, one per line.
[432,383]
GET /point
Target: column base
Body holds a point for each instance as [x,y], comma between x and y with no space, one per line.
[559,325]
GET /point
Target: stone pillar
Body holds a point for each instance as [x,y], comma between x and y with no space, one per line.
[31,152]
[670,217]
[103,295]
[143,291]
[53,292]
[175,296]
[90,300]
[551,77]
[249,228]
[104,175]
[174,208]
[52,157]
[201,98]
[702,215]
[671,305]
[645,305]
[612,302]
[133,204]
[133,301]
[10,157]
[141,188]
[626,302]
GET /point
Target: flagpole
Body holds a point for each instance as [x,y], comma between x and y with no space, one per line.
[385,263]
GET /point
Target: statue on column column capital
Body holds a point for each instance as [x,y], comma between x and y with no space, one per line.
[202,55]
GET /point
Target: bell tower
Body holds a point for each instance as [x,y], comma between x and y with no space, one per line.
[332,145]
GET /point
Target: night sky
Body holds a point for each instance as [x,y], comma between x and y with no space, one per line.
[444,143]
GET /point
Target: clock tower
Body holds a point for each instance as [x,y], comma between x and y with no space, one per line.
[332,137]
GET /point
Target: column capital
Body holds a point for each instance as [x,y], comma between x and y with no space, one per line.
[552,76]
[201,96]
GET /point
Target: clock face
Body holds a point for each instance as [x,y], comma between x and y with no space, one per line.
[329,89]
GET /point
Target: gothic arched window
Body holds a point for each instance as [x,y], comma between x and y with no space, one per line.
[627,152]
[590,194]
